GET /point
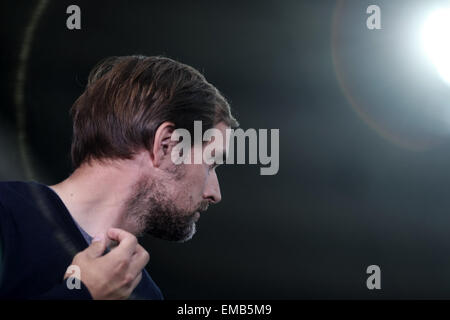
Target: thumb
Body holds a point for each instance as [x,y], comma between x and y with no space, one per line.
[97,247]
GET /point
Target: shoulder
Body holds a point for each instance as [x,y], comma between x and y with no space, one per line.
[13,190]
[13,193]
[20,200]
[13,196]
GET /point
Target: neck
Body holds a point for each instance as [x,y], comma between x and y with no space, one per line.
[95,195]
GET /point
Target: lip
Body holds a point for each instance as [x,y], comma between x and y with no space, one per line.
[196,215]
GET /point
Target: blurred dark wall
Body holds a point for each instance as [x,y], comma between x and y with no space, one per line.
[344,198]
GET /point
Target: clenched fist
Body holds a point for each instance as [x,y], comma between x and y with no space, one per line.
[115,274]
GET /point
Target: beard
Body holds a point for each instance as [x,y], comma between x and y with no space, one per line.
[152,210]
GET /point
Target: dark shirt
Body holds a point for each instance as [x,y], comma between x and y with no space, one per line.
[38,240]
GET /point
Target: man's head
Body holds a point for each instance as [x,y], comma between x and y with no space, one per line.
[130,109]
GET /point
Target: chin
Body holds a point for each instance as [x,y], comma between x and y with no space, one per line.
[190,234]
[187,234]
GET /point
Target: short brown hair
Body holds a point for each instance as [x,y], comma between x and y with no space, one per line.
[127,98]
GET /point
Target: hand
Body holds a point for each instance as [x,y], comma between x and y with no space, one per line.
[115,274]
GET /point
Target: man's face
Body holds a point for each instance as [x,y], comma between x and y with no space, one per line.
[169,204]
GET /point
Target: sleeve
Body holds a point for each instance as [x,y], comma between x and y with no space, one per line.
[2,242]
[59,292]
[62,292]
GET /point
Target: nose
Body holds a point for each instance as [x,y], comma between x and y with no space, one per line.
[212,188]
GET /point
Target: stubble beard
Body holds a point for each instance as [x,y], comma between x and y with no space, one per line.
[151,210]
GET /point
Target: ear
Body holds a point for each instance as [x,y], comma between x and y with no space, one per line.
[162,145]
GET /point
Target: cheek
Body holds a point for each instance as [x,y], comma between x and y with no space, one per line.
[195,178]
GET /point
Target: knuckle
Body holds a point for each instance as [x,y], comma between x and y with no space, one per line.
[146,256]
[133,240]
[128,279]
[123,294]
[122,264]
[127,293]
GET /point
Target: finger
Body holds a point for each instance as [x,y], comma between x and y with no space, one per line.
[135,283]
[97,247]
[118,234]
[140,249]
[127,241]
[139,260]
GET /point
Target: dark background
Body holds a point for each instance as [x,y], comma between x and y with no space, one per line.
[354,188]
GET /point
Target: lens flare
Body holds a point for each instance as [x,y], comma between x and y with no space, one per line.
[436,41]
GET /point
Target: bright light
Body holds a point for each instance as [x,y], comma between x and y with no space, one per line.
[436,40]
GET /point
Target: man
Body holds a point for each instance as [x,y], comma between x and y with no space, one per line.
[125,184]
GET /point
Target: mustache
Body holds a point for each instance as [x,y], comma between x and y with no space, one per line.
[203,206]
